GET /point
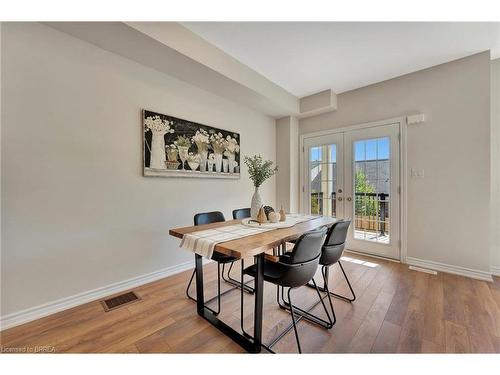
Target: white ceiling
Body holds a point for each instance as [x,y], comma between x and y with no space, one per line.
[307,57]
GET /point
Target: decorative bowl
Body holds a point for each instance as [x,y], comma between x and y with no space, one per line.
[193,165]
[172,164]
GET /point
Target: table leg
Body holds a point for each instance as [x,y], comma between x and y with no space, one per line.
[200,298]
[250,345]
[259,302]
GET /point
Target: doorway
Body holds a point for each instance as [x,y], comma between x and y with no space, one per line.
[354,175]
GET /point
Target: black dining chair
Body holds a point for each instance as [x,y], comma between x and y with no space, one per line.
[220,258]
[331,253]
[293,270]
[238,214]
[241,213]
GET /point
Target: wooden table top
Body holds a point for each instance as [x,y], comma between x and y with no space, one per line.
[258,243]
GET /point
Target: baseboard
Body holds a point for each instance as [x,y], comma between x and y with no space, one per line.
[456,270]
[371,255]
[495,270]
[37,312]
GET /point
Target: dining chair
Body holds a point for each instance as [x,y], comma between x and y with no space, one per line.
[331,252]
[241,213]
[220,258]
[293,270]
[238,214]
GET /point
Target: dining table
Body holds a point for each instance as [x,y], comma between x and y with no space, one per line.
[257,246]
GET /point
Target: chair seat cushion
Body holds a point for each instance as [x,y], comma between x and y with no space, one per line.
[272,271]
[223,258]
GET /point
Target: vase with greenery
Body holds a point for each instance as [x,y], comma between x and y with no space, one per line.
[232,148]
[259,171]
[183,144]
[218,144]
[202,140]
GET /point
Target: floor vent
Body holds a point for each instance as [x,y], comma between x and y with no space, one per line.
[119,301]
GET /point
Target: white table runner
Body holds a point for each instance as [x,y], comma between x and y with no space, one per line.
[203,242]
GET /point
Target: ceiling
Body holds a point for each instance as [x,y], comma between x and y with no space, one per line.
[307,57]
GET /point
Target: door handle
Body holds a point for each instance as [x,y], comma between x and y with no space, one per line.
[349,199]
[339,199]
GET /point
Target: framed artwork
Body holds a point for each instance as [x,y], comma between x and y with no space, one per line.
[174,147]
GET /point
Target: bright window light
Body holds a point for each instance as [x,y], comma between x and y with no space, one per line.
[359,261]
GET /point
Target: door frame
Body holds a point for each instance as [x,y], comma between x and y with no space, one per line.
[403,168]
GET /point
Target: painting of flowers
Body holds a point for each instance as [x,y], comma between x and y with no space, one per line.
[175,147]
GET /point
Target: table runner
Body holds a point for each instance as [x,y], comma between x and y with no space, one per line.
[203,242]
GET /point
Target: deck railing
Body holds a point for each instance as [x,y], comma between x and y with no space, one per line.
[371,210]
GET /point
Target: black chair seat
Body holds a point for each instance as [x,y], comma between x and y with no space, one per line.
[223,258]
[273,271]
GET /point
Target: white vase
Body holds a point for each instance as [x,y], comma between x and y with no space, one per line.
[256,204]
[183,154]
[230,159]
[157,160]
[203,160]
[224,166]
[218,162]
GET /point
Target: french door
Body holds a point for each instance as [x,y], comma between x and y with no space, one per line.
[355,175]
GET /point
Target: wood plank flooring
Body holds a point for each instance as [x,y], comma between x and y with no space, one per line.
[396,311]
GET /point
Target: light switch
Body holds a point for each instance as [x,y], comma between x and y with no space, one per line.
[417,173]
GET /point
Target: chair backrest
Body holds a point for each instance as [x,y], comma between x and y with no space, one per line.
[241,213]
[335,242]
[208,218]
[300,265]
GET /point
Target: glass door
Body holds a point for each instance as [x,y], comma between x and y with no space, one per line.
[355,175]
[371,183]
[323,194]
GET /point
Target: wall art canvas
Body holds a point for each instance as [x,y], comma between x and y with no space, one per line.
[175,147]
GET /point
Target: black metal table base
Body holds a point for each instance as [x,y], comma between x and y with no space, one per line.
[250,344]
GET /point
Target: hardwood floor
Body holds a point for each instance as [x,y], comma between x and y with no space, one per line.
[396,310]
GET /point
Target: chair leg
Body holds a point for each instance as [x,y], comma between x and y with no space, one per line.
[347,299]
[293,320]
[348,283]
[331,322]
[235,282]
[216,312]
[325,283]
[306,314]
[189,286]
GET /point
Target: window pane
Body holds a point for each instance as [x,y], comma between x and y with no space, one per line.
[371,149]
[315,154]
[383,148]
[323,179]
[372,187]
[359,151]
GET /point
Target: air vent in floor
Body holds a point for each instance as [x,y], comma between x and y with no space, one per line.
[119,301]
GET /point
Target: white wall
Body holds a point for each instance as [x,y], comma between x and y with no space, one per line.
[448,210]
[287,159]
[495,166]
[76,212]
